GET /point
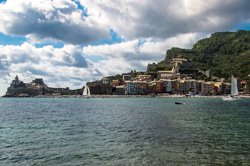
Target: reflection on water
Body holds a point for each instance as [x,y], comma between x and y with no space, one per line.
[125,131]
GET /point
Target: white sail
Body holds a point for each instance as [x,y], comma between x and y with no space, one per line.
[234,88]
[86,91]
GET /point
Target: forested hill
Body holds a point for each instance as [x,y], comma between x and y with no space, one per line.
[224,53]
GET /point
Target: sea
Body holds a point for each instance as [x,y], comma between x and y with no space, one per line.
[124,131]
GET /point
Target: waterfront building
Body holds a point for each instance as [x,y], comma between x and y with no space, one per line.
[184,86]
[130,88]
[211,88]
[205,88]
[181,87]
[193,86]
[136,87]
[218,88]
[143,78]
[199,87]
[105,80]
[98,87]
[144,87]
[119,90]
[161,86]
[175,86]
[168,74]
[115,83]
[152,87]
[126,77]
[225,88]
[208,88]
[244,86]
[169,88]
[187,84]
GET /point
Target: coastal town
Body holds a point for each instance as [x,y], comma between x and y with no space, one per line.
[160,83]
[125,83]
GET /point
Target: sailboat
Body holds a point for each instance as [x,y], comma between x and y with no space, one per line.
[234,90]
[86,91]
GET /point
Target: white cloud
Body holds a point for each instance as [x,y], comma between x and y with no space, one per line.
[72,65]
[58,66]
[136,54]
[53,19]
[63,20]
[161,19]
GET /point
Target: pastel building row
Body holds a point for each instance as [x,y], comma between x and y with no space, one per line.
[143,84]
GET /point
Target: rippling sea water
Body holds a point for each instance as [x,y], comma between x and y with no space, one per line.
[124,131]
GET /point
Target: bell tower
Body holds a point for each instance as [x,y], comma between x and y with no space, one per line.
[16,79]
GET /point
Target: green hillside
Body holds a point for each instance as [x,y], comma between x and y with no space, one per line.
[224,53]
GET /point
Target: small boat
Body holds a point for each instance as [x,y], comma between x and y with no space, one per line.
[86,92]
[234,90]
[179,103]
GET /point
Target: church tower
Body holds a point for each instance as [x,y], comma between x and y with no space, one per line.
[16,79]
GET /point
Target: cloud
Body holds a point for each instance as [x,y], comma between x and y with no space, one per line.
[63,19]
[73,65]
[162,19]
[57,19]
[135,54]
[61,67]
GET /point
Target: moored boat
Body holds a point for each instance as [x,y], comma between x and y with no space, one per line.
[234,91]
[179,103]
[86,92]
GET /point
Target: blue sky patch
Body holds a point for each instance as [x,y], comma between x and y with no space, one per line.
[79,6]
[96,58]
[3,1]
[242,26]
[54,44]
[11,40]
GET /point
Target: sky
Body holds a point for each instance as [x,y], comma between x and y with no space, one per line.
[71,42]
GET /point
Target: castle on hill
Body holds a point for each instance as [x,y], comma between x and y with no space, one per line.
[35,88]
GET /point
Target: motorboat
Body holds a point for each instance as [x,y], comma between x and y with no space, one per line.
[179,103]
